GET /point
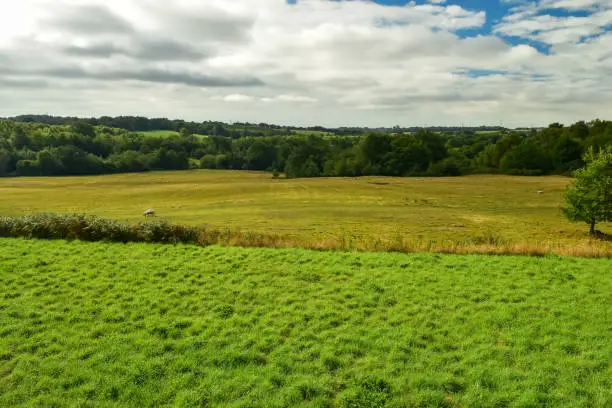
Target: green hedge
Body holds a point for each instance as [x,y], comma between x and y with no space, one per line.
[93,228]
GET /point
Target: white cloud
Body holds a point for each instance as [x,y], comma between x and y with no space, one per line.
[237,98]
[533,22]
[290,99]
[315,62]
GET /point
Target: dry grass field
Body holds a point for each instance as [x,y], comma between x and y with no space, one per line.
[478,209]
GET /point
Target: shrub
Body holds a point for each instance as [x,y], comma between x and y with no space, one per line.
[208,161]
[93,228]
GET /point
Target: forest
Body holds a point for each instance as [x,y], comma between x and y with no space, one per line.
[71,146]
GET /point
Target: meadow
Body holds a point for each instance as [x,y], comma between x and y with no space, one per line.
[164,133]
[112,325]
[426,212]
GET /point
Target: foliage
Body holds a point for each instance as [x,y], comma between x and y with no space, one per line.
[100,324]
[91,146]
[589,198]
[92,228]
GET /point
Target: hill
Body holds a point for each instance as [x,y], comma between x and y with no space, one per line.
[80,148]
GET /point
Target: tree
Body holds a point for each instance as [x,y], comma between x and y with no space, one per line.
[5,160]
[589,197]
[208,161]
[185,132]
[260,155]
[579,130]
[221,161]
[528,158]
[20,138]
[84,128]
[567,153]
[49,163]
[219,130]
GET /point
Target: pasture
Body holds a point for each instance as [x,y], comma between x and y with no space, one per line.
[305,132]
[496,209]
[106,325]
[164,133]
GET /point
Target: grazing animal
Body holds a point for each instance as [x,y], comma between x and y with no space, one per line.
[149,213]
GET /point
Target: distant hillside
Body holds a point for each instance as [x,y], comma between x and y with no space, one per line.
[72,146]
[139,123]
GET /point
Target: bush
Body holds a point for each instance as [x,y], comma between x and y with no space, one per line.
[445,168]
[163,231]
[92,228]
[208,161]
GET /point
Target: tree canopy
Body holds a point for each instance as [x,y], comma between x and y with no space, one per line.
[589,198]
[92,147]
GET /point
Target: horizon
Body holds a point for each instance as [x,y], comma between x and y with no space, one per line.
[384,63]
[282,125]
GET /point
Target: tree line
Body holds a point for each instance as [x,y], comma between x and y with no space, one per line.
[80,147]
[235,130]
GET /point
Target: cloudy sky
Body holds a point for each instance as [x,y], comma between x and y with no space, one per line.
[306,62]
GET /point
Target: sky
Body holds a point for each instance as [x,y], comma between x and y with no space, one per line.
[310,62]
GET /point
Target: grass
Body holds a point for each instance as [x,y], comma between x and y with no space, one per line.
[111,325]
[302,132]
[422,212]
[164,133]
[92,228]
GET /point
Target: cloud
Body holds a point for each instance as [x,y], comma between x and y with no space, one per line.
[237,98]
[202,21]
[87,19]
[145,75]
[314,62]
[140,48]
[289,99]
[534,21]
[23,83]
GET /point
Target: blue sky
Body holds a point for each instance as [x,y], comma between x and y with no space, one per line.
[310,62]
[495,12]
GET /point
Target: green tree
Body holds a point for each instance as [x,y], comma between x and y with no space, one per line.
[20,139]
[221,161]
[567,153]
[579,130]
[185,132]
[129,161]
[219,130]
[528,158]
[5,160]
[260,155]
[84,128]
[208,161]
[49,162]
[589,198]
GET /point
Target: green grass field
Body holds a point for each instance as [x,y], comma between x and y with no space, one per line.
[474,207]
[112,325]
[311,133]
[164,133]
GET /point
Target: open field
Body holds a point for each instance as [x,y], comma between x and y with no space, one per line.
[164,133]
[105,325]
[497,208]
[311,133]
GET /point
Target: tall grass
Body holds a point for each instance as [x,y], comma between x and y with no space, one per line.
[93,228]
